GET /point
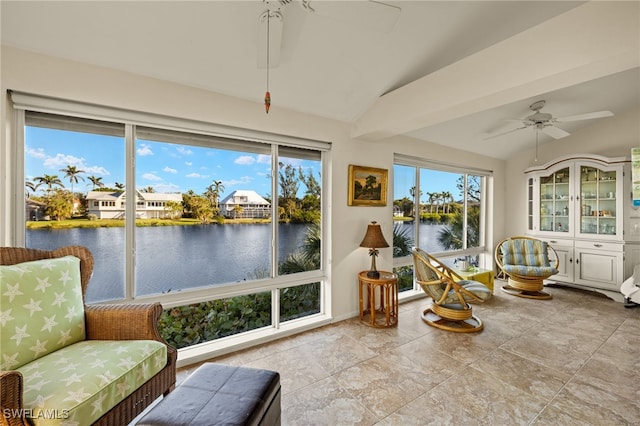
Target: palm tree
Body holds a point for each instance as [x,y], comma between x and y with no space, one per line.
[447,199]
[50,181]
[311,246]
[451,237]
[148,189]
[402,241]
[432,197]
[119,185]
[96,181]
[31,186]
[307,258]
[218,188]
[72,173]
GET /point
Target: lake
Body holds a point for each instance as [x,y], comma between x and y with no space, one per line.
[170,258]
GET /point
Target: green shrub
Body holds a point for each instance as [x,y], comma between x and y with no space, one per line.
[188,325]
[405,277]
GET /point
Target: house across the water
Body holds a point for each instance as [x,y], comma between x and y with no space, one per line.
[245,204]
[111,205]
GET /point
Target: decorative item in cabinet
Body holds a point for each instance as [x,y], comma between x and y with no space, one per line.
[598,190]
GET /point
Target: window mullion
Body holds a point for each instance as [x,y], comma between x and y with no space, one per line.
[274,210]
[275,308]
[19,184]
[130,211]
[465,210]
[416,208]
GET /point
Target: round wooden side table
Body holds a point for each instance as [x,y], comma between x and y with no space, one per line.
[378,299]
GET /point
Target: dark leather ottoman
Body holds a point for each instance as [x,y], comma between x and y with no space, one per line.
[217,394]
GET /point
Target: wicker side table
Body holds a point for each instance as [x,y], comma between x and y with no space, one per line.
[378,299]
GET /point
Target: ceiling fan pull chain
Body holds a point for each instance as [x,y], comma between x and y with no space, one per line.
[267,95]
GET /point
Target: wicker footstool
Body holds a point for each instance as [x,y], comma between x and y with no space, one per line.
[217,394]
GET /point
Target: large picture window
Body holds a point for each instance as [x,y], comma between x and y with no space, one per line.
[225,231]
[437,208]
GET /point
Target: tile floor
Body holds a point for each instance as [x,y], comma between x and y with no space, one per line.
[572,360]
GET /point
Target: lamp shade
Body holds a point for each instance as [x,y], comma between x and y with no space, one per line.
[374,238]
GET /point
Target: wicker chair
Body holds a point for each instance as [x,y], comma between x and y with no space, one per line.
[451,295]
[525,262]
[102,322]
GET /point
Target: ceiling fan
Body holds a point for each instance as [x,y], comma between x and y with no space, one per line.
[545,122]
[369,14]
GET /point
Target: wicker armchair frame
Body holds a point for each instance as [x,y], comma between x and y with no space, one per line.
[103,322]
[530,287]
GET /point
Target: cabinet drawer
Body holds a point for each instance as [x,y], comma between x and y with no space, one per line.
[557,242]
[599,245]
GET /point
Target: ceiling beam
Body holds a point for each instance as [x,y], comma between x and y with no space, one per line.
[588,42]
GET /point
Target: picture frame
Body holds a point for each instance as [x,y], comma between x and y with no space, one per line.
[367,186]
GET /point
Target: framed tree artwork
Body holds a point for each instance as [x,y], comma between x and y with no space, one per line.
[367,186]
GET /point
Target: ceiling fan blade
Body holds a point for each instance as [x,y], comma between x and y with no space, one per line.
[555,132]
[275,39]
[369,14]
[587,116]
[497,135]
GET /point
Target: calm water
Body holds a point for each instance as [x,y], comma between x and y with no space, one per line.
[170,258]
[428,235]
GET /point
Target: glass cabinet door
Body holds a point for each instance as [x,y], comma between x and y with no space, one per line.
[554,201]
[598,201]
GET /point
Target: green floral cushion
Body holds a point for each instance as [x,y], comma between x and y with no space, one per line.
[41,309]
[76,385]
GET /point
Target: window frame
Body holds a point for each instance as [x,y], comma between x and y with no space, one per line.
[23,102]
[485,187]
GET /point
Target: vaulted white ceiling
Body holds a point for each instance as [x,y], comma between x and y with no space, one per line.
[449,72]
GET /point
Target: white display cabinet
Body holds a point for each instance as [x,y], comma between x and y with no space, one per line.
[582,206]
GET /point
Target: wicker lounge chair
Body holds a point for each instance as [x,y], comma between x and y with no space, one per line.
[451,295]
[102,323]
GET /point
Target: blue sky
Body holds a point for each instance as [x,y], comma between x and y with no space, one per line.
[430,181]
[163,166]
[179,168]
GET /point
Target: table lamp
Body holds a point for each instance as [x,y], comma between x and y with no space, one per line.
[373,240]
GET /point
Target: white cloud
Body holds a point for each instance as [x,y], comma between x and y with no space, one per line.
[184,151]
[166,187]
[245,160]
[61,161]
[242,181]
[36,153]
[144,150]
[295,162]
[169,170]
[264,159]
[188,163]
[151,176]
[97,170]
[195,175]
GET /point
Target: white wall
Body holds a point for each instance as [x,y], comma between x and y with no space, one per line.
[609,137]
[42,75]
